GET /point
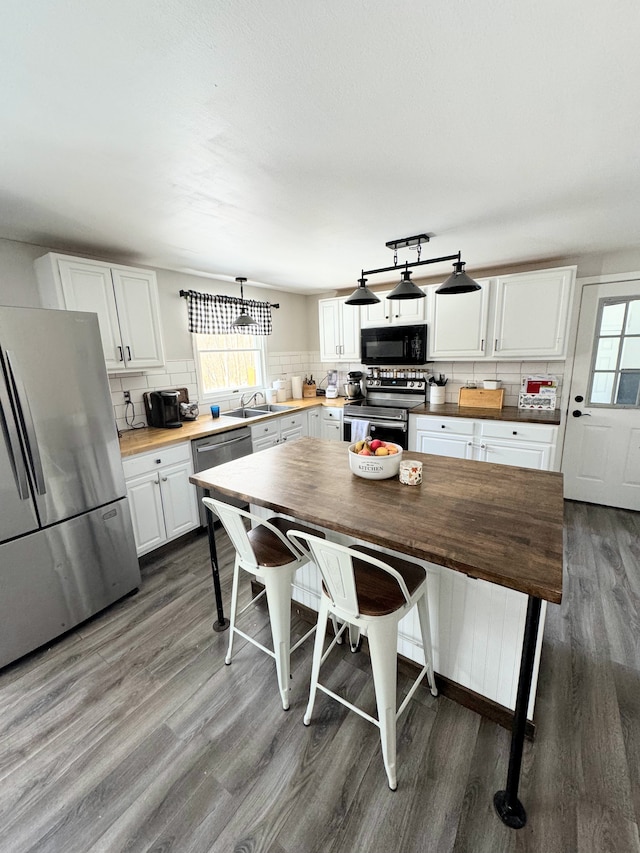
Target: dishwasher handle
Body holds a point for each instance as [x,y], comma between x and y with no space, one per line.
[206,448]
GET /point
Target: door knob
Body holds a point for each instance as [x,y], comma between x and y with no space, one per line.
[578,414]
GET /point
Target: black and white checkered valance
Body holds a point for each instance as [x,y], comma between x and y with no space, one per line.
[214,315]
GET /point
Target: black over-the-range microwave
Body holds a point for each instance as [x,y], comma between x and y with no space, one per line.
[394,345]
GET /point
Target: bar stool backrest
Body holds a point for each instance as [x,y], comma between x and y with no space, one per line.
[335,563]
[232,518]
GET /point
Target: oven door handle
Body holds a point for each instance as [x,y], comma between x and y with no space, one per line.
[399,425]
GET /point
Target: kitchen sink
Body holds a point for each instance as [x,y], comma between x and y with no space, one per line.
[271,407]
[267,409]
[245,413]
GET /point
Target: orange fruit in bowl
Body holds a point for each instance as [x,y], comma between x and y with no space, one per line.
[382,451]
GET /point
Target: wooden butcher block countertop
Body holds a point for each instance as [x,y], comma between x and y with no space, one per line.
[150,438]
[506,413]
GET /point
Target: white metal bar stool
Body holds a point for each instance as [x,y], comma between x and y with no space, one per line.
[373,591]
[265,551]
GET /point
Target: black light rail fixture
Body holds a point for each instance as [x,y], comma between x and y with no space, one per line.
[458,281]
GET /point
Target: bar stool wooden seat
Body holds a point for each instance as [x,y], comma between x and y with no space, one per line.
[374,591]
[265,551]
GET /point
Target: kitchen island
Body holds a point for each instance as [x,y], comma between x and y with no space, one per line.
[496,523]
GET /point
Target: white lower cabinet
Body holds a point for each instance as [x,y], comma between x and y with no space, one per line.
[162,500]
[314,420]
[502,442]
[277,430]
[331,424]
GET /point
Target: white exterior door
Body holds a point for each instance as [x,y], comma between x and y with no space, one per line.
[601,459]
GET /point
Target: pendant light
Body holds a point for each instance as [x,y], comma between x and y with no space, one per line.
[458,281]
[243,318]
[362,295]
[406,289]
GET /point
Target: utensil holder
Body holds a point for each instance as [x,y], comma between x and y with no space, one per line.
[437,394]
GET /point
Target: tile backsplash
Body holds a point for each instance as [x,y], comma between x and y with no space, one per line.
[175,374]
[284,365]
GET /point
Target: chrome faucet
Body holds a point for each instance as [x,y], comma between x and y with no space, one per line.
[254,396]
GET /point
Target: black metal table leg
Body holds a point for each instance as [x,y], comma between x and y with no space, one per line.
[221,624]
[509,808]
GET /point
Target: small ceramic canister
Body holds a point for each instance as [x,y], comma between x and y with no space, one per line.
[410,472]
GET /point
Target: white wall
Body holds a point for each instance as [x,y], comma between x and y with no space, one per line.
[18,286]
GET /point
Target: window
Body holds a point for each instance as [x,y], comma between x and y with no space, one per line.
[615,372]
[226,363]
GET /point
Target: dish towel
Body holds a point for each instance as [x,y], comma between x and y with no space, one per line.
[359,430]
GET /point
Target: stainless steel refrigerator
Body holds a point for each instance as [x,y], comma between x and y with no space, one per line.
[66,541]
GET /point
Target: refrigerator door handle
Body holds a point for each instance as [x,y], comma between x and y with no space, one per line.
[10,432]
[29,432]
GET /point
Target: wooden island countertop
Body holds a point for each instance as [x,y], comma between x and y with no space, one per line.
[495,522]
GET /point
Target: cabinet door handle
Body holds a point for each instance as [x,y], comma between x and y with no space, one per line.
[120,354]
[164,479]
[156,482]
[128,353]
[496,346]
[482,345]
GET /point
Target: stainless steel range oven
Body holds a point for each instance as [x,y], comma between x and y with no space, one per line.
[384,412]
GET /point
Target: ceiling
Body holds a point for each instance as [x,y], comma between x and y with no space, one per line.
[287,141]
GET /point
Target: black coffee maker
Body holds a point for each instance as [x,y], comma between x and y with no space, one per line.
[164,409]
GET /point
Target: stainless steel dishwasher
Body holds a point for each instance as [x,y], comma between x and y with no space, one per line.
[214,450]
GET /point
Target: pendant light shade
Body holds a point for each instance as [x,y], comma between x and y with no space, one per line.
[362,295]
[458,281]
[243,318]
[406,289]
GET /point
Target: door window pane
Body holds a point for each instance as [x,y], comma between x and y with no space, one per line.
[633,318]
[602,388]
[607,356]
[628,388]
[612,319]
[616,359]
[630,354]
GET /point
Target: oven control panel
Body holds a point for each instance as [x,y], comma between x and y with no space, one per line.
[418,385]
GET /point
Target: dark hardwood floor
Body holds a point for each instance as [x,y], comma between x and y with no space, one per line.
[130,734]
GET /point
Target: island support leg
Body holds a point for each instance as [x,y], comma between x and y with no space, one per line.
[221,624]
[509,808]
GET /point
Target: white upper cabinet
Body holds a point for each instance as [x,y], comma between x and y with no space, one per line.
[124,298]
[394,312]
[458,327]
[531,314]
[339,330]
[512,317]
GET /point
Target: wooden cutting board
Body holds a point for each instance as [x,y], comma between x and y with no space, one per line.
[481,398]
